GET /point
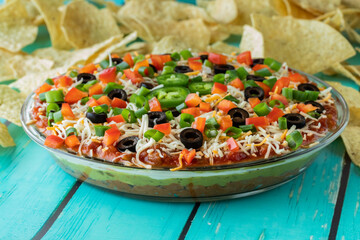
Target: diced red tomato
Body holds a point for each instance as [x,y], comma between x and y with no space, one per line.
[72,141]
[253,102]
[275,114]
[165,128]
[157,62]
[217,58]
[225,122]
[119,103]
[226,105]
[297,77]
[66,111]
[53,141]
[261,66]
[111,136]
[195,65]
[134,76]
[257,121]
[192,59]
[165,58]
[189,155]
[117,119]
[43,88]
[155,105]
[218,88]
[232,145]
[63,81]
[104,100]
[128,59]
[199,124]
[245,57]
[205,107]
[89,68]
[237,83]
[74,95]
[306,107]
[95,89]
[265,87]
[281,98]
[195,111]
[92,102]
[144,63]
[192,100]
[280,84]
[108,75]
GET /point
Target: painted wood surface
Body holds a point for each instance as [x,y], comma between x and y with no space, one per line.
[31,187]
[94,213]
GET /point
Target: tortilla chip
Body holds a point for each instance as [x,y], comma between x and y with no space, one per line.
[59,57]
[296,11]
[22,65]
[351,136]
[6,73]
[5,137]
[340,69]
[96,25]
[318,6]
[49,9]
[221,47]
[10,104]
[351,3]
[252,40]
[223,11]
[16,27]
[301,43]
[168,44]
[335,19]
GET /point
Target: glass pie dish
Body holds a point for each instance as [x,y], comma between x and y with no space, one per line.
[194,184]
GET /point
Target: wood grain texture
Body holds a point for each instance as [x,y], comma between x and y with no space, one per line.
[94,213]
[301,209]
[350,215]
[31,187]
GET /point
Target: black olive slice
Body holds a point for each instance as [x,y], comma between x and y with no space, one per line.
[295,119]
[203,57]
[86,77]
[254,92]
[222,68]
[96,117]
[156,118]
[182,69]
[191,138]
[238,116]
[320,108]
[257,61]
[147,85]
[128,143]
[116,61]
[153,67]
[175,113]
[118,93]
[255,78]
[308,86]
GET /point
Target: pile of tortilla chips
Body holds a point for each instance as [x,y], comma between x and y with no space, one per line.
[310,35]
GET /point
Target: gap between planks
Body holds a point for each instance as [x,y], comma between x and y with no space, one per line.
[189,221]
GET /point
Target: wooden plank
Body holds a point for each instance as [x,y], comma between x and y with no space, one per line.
[31,187]
[305,206]
[94,213]
[350,215]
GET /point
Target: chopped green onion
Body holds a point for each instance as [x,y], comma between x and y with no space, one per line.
[212,123]
[300,95]
[140,112]
[208,64]
[52,107]
[58,117]
[262,109]
[270,82]
[211,132]
[186,120]
[50,119]
[246,128]
[129,115]
[287,92]
[97,96]
[122,66]
[314,114]
[101,109]
[71,131]
[90,84]
[146,71]
[220,78]
[140,101]
[169,115]
[139,58]
[250,83]
[81,87]
[196,79]
[181,107]
[167,69]
[42,97]
[49,81]
[232,98]
[294,140]
[233,132]
[276,103]
[175,56]
[143,91]
[100,130]
[264,72]
[312,95]
[117,111]
[242,73]
[154,134]
[186,54]
[170,63]
[111,86]
[231,75]
[54,96]
[272,63]
[104,64]
[73,74]
[282,123]
[84,100]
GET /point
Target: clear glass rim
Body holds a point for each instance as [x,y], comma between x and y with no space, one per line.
[342,121]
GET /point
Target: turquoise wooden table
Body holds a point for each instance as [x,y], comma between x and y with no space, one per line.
[39,200]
